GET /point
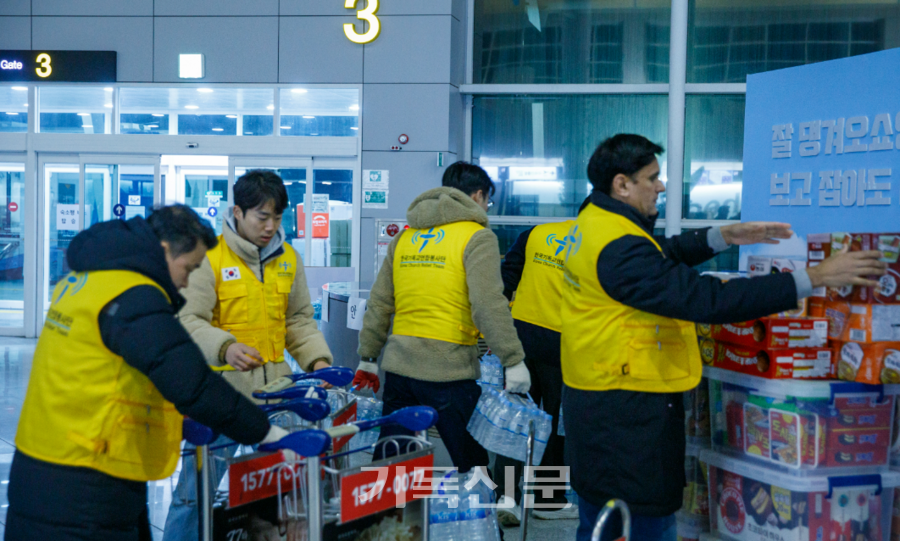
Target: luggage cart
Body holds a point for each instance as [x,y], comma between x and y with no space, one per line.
[300,488]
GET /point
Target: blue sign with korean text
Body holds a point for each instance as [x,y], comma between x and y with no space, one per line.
[821,149]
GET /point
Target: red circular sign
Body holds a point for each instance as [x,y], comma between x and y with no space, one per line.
[13,206]
[392,230]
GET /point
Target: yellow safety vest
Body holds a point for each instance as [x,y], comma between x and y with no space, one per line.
[253,311]
[85,405]
[607,345]
[539,295]
[430,290]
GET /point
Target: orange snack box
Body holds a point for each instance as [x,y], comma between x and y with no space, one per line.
[772,363]
[863,323]
[870,363]
[818,249]
[774,332]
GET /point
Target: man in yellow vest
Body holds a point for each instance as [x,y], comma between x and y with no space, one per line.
[441,283]
[533,270]
[629,348]
[248,302]
[113,373]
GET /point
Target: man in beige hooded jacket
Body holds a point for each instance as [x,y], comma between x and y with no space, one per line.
[441,285]
[246,304]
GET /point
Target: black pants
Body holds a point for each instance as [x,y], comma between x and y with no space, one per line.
[542,357]
[455,403]
[65,503]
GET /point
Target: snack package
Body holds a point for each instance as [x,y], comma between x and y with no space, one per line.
[761,266]
[818,249]
[773,363]
[772,332]
[870,363]
[888,290]
[864,323]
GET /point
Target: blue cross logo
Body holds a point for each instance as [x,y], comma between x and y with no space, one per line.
[561,243]
[431,234]
[284,266]
[572,242]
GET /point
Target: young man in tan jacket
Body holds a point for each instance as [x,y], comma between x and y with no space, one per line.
[441,283]
[246,304]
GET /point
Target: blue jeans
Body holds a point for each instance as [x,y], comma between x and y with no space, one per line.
[642,528]
[182,522]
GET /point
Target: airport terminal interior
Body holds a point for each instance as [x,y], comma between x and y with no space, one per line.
[111,108]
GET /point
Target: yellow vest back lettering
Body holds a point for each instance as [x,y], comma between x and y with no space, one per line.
[430,290]
[85,405]
[253,311]
[539,294]
[607,345]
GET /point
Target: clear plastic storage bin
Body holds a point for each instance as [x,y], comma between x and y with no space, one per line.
[751,502]
[802,427]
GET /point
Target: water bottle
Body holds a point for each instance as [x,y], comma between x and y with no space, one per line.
[444,515]
[490,524]
[560,427]
[477,521]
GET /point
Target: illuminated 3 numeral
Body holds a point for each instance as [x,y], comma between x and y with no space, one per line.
[45,69]
[367,15]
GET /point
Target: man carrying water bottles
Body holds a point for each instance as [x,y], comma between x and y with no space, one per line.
[246,304]
[629,346]
[532,269]
[441,283]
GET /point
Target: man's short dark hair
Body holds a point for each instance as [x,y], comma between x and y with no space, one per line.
[257,187]
[468,178]
[182,228]
[625,154]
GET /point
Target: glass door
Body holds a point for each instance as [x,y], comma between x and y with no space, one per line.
[12,245]
[80,191]
[295,220]
[333,224]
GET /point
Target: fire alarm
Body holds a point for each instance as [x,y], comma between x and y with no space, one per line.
[404,139]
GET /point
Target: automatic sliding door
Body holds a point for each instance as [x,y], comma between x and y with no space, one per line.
[62,221]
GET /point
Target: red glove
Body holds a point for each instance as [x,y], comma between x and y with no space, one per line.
[367,376]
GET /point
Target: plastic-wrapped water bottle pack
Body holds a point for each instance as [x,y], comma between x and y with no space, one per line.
[500,424]
[463,514]
[491,372]
[366,410]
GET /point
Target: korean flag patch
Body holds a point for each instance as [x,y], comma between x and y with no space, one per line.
[231,273]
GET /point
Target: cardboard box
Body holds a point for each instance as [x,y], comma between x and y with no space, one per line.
[869,363]
[864,323]
[773,363]
[772,332]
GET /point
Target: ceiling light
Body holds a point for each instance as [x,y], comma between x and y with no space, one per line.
[230,116]
[191,106]
[21,88]
[308,117]
[108,105]
[354,128]
[24,105]
[248,133]
[84,114]
[152,125]
[158,114]
[270,107]
[218,129]
[354,107]
[11,114]
[327,183]
[87,126]
[108,89]
[299,90]
[205,90]
[287,127]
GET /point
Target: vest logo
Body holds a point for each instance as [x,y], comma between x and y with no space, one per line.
[285,266]
[572,242]
[231,273]
[74,283]
[560,243]
[427,237]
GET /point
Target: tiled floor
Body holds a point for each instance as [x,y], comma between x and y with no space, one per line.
[15,366]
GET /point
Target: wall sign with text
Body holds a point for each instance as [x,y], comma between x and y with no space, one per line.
[822,149]
[67,66]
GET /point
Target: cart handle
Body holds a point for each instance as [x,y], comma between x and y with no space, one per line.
[290,392]
[196,433]
[309,409]
[604,515]
[310,442]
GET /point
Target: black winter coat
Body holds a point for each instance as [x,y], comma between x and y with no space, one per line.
[61,502]
[631,445]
